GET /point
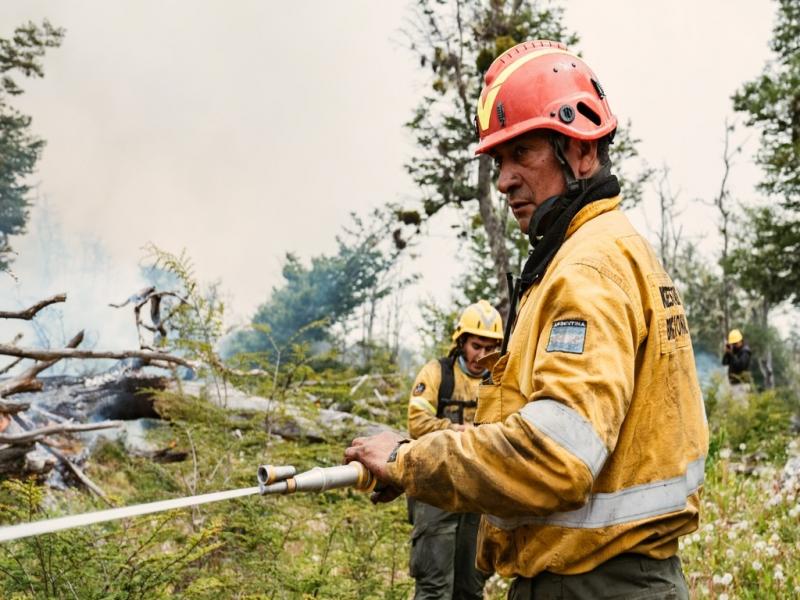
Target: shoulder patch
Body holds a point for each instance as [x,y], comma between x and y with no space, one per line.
[567,336]
[419,389]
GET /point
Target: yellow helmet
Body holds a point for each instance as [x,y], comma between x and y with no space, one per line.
[480,319]
[735,336]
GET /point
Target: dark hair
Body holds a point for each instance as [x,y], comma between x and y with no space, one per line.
[603,144]
[458,347]
[603,147]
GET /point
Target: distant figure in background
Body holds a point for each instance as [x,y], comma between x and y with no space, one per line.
[737,358]
[444,396]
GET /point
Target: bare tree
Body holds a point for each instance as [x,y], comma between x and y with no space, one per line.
[722,202]
[669,233]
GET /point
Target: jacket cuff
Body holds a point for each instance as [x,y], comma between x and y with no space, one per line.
[396,470]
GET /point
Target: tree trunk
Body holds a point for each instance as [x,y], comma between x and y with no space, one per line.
[495,230]
[766,363]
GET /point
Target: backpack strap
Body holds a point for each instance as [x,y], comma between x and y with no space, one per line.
[447,384]
[446,387]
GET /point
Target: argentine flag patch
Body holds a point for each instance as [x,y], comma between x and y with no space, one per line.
[567,336]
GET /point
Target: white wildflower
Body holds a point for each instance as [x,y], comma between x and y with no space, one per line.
[726,579]
[757,566]
[695,537]
[774,538]
[794,511]
[708,527]
[730,553]
[775,500]
[725,453]
[732,534]
[779,576]
[722,597]
[742,447]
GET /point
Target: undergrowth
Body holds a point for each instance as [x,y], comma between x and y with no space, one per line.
[336,544]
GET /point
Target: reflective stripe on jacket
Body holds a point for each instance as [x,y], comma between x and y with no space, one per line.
[593,436]
[424,399]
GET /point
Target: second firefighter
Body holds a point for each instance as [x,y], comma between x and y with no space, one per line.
[444,397]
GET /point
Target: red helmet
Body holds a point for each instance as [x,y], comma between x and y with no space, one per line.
[540,85]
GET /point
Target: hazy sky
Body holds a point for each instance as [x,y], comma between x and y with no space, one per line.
[242,130]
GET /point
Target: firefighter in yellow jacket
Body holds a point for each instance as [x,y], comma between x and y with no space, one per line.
[444,397]
[589,457]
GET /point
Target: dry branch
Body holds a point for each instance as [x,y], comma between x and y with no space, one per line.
[29,313]
[35,435]
[78,473]
[10,366]
[9,408]
[49,354]
[27,382]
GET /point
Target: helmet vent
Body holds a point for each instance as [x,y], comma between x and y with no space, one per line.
[501,114]
[589,113]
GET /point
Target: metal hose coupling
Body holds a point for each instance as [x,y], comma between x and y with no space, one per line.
[318,479]
[272,478]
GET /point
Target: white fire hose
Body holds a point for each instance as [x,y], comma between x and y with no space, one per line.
[271,480]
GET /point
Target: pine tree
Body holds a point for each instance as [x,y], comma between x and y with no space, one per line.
[20,149]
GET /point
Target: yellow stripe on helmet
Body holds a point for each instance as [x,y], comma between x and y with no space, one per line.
[485,107]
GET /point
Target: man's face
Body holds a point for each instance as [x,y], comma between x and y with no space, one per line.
[475,348]
[529,174]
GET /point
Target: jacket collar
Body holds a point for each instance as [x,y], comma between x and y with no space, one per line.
[590,211]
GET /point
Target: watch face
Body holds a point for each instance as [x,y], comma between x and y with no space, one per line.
[419,389]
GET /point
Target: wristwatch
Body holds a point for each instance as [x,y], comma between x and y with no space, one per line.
[393,455]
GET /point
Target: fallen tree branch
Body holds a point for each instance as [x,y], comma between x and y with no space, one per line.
[93,487]
[10,366]
[29,313]
[9,408]
[27,382]
[35,435]
[50,354]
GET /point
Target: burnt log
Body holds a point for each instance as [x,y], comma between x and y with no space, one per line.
[124,396]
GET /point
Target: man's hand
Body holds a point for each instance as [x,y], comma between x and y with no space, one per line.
[373,452]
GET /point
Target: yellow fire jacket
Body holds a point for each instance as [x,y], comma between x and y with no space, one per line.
[424,399]
[593,436]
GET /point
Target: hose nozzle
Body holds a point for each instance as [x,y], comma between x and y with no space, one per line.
[318,479]
[272,478]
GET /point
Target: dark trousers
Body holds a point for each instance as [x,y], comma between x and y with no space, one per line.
[443,547]
[628,576]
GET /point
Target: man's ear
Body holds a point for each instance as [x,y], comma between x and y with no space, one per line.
[588,162]
[582,156]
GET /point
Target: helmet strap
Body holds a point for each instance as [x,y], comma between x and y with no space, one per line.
[575,186]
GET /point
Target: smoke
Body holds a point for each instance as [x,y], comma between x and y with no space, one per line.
[708,365]
[50,262]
